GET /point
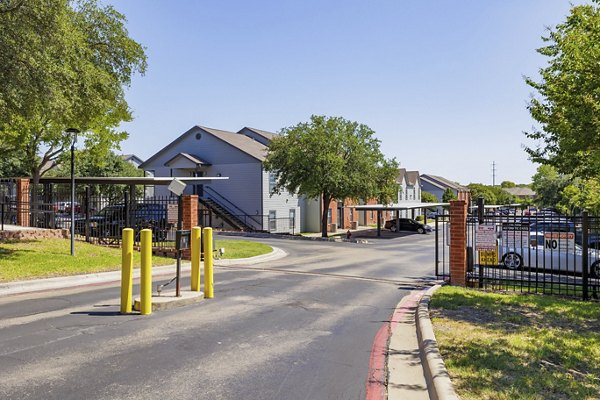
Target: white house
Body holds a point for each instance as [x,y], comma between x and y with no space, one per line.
[409,189]
[242,201]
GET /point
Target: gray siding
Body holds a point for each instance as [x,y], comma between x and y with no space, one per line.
[281,204]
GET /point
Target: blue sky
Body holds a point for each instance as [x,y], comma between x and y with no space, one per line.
[440,82]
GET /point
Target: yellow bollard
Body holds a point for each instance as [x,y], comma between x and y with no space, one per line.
[209,290]
[146,272]
[195,249]
[126,270]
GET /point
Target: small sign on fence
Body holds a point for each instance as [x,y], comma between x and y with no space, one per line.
[485,238]
[172,213]
[488,257]
[559,241]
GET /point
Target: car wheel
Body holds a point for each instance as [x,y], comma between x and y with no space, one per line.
[595,270]
[420,230]
[512,260]
[393,228]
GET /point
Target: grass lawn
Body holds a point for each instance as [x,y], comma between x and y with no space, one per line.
[51,257]
[510,346]
[242,248]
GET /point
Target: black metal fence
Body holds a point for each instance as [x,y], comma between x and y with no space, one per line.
[98,218]
[546,253]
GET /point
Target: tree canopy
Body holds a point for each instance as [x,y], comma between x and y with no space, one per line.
[333,159]
[427,197]
[64,65]
[568,104]
[89,164]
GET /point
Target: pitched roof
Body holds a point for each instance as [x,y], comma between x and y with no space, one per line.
[443,183]
[521,191]
[194,159]
[240,142]
[401,175]
[412,177]
[267,135]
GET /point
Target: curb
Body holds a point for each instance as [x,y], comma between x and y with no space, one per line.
[436,374]
[37,285]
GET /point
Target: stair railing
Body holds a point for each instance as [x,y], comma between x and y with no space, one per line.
[231,208]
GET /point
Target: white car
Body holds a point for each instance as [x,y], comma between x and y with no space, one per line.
[551,251]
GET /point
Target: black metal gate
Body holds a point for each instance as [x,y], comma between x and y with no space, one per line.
[545,253]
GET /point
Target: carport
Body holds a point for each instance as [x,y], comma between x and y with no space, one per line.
[397,208]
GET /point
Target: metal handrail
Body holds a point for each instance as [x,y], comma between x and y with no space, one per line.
[212,193]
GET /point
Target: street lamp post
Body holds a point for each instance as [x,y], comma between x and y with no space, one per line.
[74,132]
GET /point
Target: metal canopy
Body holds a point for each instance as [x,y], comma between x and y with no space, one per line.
[398,206]
[132,180]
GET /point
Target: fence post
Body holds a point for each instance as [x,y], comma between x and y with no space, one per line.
[585,226]
[23,202]
[458,243]
[87,214]
[146,272]
[209,292]
[195,247]
[480,216]
[126,270]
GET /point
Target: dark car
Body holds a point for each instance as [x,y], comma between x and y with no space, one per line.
[109,222]
[407,224]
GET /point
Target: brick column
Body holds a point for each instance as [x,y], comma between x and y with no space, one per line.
[190,218]
[458,243]
[23,206]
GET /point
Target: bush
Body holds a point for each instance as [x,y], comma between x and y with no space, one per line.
[419,218]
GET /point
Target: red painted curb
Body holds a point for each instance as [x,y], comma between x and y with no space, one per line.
[377,379]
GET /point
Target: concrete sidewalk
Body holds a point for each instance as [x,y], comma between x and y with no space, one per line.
[36,285]
[416,370]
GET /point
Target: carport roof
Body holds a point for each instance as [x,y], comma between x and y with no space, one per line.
[131,180]
[399,206]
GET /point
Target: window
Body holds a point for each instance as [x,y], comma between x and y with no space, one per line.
[292,218]
[329,216]
[272,220]
[351,212]
[272,182]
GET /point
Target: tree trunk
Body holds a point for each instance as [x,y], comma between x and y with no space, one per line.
[326,201]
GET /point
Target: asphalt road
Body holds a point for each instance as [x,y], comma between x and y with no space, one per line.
[301,327]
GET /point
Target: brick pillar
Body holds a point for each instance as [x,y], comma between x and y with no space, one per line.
[458,243]
[190,218]
[23,207]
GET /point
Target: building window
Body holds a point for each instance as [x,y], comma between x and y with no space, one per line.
[329,218]
[292,218]
[351,212]
[272,220]
[272,181]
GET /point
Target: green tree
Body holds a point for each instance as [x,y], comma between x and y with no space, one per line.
[508,184]
[478,190]
[548,183]
[427,197]
[64,64]
[89,164]
[333,159]
[448,195]
[568,102]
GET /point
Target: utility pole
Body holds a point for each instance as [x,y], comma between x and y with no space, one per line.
[493,173]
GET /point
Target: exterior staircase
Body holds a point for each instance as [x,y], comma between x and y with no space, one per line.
[228,211]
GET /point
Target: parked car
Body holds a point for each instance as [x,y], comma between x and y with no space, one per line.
[64,207]
[407,224]
[108,223]
[552,225]
[432,215]
[537,255]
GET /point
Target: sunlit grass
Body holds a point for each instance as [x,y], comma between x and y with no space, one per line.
[22,260]
[242,248]
[508,346]
[51,257]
